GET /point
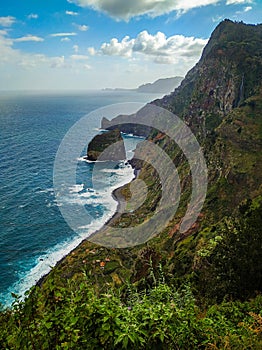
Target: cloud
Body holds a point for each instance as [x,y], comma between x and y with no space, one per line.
[29,38]
[32,16]
[16,58]
[82,28]
[157,47]
[57,62]
[217,18]
[244,10]
[76,48]
[248,8]
[71,13]
[79,57]
[91,51]
[18,61]
[7,21]
[65,39]
[62,34]
[236,2]
[115,48]
[126,9]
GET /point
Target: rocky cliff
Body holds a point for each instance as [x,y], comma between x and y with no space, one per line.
[107,146]
[221,100]
[229,72]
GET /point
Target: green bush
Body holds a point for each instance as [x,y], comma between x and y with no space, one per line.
[161,318]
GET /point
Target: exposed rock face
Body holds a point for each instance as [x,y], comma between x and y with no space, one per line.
[128,124]
[221,100]
[107,146]
[229,71]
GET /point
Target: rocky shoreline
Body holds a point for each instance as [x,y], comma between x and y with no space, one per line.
[121,204]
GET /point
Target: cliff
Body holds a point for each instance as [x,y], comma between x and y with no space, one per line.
[229,72]
[160,86]
[129,124]
[220,256]
[221,100]
[107,146]
[165,85]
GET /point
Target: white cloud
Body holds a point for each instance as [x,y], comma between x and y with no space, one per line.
[7,52]
[7,21]
[76,48]
[21,70]
[91,51]
[32,16]
[244,10]
[65,39]
[157,47]
[62,34]
[71,13]
[217,18]
[18,58]
[57,62]
[79,57]
[126,9]
[29,38]
[235,2]
[116,48]
[9,55]
[82,28]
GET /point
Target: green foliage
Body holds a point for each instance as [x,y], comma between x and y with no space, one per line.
[161,318]
[230,263]
[80,304]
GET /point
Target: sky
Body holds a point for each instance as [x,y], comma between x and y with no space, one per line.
[95,44]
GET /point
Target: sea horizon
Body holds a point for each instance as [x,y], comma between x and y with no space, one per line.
[34,235]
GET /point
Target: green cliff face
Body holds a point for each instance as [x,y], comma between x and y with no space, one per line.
[107,146]
[220,256]
[221,100]
[229,72]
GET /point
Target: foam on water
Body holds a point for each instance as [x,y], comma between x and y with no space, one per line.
[76,195]
[33,232]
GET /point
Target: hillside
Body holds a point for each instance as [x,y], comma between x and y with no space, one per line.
[160,86]
[107,146]
[186,290]
[164,86]
[223,107]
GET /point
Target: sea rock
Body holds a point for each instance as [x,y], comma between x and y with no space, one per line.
[136,124]
[108,146]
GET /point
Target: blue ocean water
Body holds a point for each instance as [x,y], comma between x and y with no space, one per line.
[33,233]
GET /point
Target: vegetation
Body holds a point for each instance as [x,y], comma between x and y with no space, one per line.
[76,317]
[197,290]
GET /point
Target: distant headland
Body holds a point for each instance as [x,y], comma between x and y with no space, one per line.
[165,86]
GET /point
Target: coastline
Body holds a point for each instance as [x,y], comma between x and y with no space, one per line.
[121,204]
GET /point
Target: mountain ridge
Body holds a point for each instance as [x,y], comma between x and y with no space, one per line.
[232,147]
[218,260]
[162,85]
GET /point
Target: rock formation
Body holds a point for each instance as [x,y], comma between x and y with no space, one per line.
[108,146]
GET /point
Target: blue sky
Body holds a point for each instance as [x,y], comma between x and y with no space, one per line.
[93,44]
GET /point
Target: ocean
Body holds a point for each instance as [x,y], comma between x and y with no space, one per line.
[33,233]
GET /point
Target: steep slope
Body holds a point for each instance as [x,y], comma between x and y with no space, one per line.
[107,146]
[165,85]
[229,71]
[221,100]
[171,292]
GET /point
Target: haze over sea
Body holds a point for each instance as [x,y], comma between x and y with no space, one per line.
[33,233]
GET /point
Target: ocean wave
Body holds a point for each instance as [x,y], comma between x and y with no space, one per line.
[76,188]
[76,195]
